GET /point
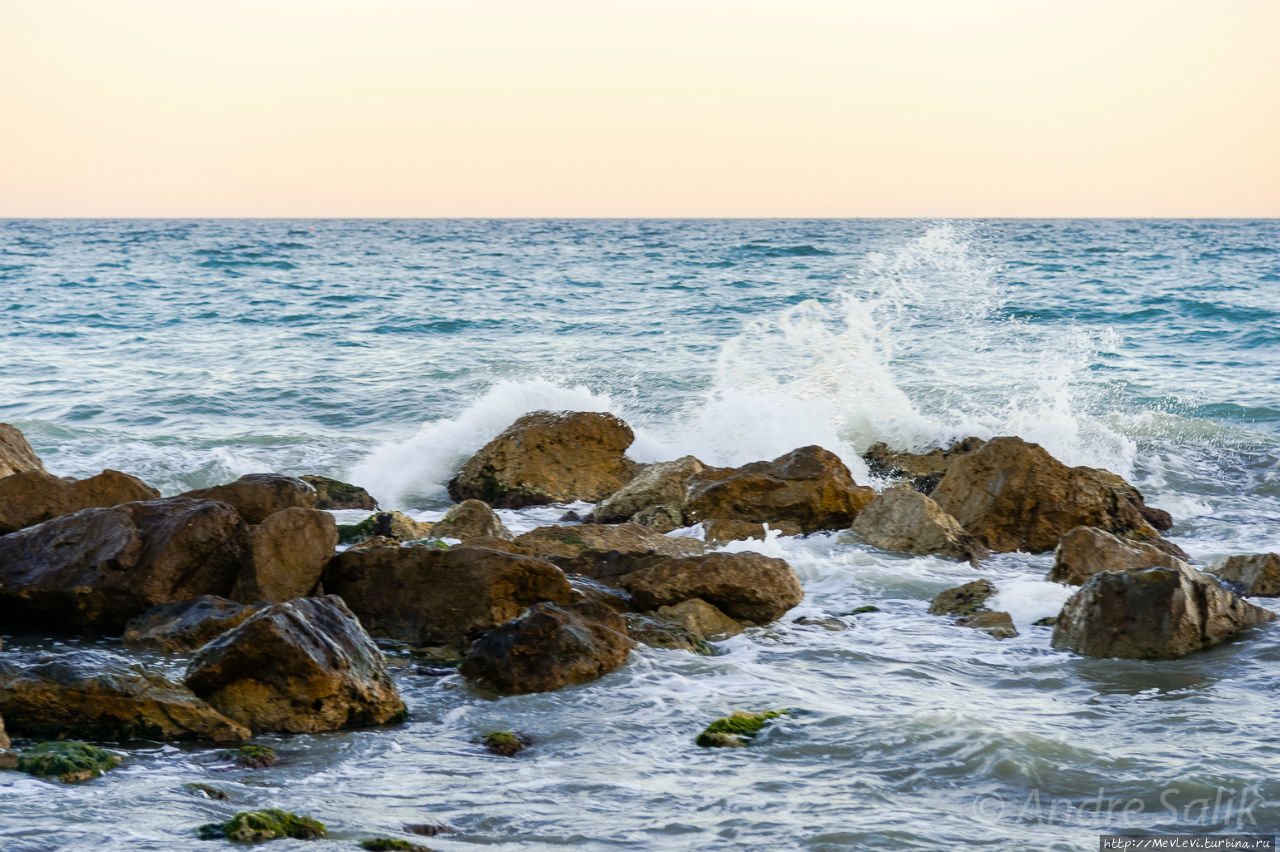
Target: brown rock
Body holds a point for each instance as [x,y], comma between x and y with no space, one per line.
[594,550]
[922,470]
[997,624]
[4,739]
[101,696]
[809,486]
[290,550]
[392,525]
[186,625]
[1258,574]
[301,666]
[258,495]
[966,600]
[336,494]
[1084,551]
[661,484]
[660,519]
[549,457]
[1012,495]
[1155,613]
[16,455]
[32,497]
[701,619]
[549,647]
[649,629]
[906,520]
[428,596]
[720,531]
[376,541]
[470,519]
[747,586]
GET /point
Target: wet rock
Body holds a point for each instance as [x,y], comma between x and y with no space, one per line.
[721,531]
[1084,551]
[376,541]
[746,586]
[186,625]
[969,599]
[661,484]
[735,730]
[660,519]
[70,761]
[1154,613]
[1012,495]
[257,496]
[593,550]
[908,521]
[922,470]
[4,736]
[269,824]
[334,494]
[16,455]
[861,610]
[393,525]
[549,647]
[206,791]
[809,486]
[997,624]
[98,568]
[701,619]
[505,743]
[656,632]
[301,666]
[290,550]
[427,596]
[102,696]
[253,756]
[1258,574]
[549,457]
[829,622]
[428,829]
[32,497]
[390,844]
[470,519]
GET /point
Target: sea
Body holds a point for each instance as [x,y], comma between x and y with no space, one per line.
[385,352]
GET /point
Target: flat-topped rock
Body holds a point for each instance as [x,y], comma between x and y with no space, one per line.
[33,496]
[905,520]
[1085,551]
[256,496]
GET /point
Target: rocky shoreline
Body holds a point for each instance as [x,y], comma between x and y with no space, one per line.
[283,611]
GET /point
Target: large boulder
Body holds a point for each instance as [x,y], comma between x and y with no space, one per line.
[1084,551]
[922,470]
[549,457]
[548,647]
[1013,495]
[98,568]
[1152,613]
[721,531]
[16,454]
[32,497]
[427,596]
[470,519]
[101,696]
[256,496]
[906,520]
[661,484]
[809,486]
[395,526]
[185,625]
[1257,574]
[336,494]
[297,667]
[746,586]
[594,549]
[290,550]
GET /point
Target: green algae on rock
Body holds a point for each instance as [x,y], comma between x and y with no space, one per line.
[268,824]
[208,791]
[736,729]
[505,743]
[253,756]
[390,844]
[70,761]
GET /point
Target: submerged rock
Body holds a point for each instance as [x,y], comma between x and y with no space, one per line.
[656,632]
[269,824]
[290,550]
[70,761]
[923,470]
[701,619]
[16,455]
[720,531]
[32,497]
[662,484]
[1153,613]
[254,756]
[549,647]
[257,496]
[1085,551]
[747,586]
[470,519]
[334,494]
[390,844]
[301,666]
[1258,575]
[969,604]
[101,696]
[505,743]
[185,626]
[735,730]
[549,457]
[908,521]
[809,486]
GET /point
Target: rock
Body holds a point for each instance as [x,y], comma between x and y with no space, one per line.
[1153,613]
[290,550]
[1258,575]
[301,666]
[102,696]
[1157,518]
[470,519]
[186,625]
[390,844]
[505,743]
[429,829]
[32,497]
[720,531]
[206,791]
[549,457]
[657,632]
[661,484]
[70,761]
[922,470]
[997,624]
[334,494]
[735,730]
[827,622]
[254,756]
[594,550]
[747,586]
[701,619]
[392,525]
[4,736]
[908,521]
[1012,495]
[809,486]
[969,599]
[16,455]
[269,824]
[549,647]
[660,519]
[256,496]
[1084,551]
[376,541]
[98,568]
[427,596]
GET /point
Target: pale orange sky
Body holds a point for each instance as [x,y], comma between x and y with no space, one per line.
[661,108]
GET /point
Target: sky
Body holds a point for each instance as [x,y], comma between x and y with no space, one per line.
[666,108]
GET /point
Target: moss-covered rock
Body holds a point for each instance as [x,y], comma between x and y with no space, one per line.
[394,525]
[253,756]
[390,844]
[505,743]
[70,761]
[861,610]
[269,824]
[206,791]
[736,729]
[335,494]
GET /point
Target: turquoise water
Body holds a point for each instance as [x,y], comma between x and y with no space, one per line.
[190,352]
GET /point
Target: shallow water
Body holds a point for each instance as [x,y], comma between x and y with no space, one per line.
[190,352]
